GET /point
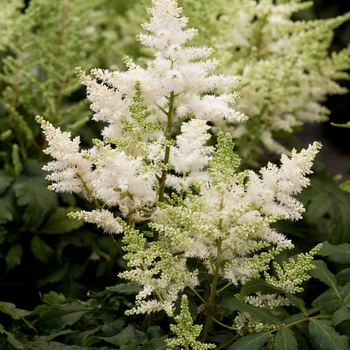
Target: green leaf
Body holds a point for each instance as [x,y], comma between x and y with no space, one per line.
[5,181]
[347,125]
[156,344]
[343,276]
[322,273]
[59,222]
[59,316]
[251,342]
[258,285]
[16,343]
[336,253]
[41,250]
[127,336]
[325,336]
[14,256]
[111,328]
[262,314]
[297,302]
[345,293]
[285,340]
[329,301]
[10,309]
[345,186]
[84,337]
[57,334]
[31,192]
[339,224]
[53,345]
[261,286]
[341,315]
[155,332]
[91,340]
[318,207]
[54,298]
[12,340]
[126,288]
[56,276]
[6,210]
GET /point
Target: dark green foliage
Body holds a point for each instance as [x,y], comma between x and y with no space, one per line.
[252,341]
[70,324]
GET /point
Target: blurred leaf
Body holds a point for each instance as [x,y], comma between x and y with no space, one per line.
[84,337]
[261,286]
[325,336]
[53,345]
[10,309]
[156,344]
[41,250]
[31,191]
[127,336]
[11,339]
[341,315]
[5,180]
[318,207]
[14,256]
[343,277]
[59,316]
[59,222]
[126,288]
[262,314]
[285,340]
[297,302]
[340,224]
[347,125]
[258,285]
[336,253]
[54,298]
[251,341]
[16,343]
[329,301]
[345,186]
[91,340]
[6,209]
[54,335]
[58,275]
[111,328]
[322,273]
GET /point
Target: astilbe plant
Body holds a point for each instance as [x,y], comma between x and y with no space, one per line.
[284,65]
[187,215]
[40,46]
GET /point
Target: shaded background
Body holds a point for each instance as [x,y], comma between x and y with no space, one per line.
[335,140]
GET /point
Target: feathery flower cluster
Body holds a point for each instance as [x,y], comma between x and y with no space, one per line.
[284,65]
[190,197]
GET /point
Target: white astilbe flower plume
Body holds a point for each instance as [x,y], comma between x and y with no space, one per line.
[190,155]
[70,169]
[278,185]
[102,218]
[175,70]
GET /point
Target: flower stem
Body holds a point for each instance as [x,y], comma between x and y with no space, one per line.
[167,133]
[210,307]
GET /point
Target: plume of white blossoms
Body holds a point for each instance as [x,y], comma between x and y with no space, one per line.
[284,65]
[192,202]
[285,68]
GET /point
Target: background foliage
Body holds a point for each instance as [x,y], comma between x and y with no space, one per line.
[59,267]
